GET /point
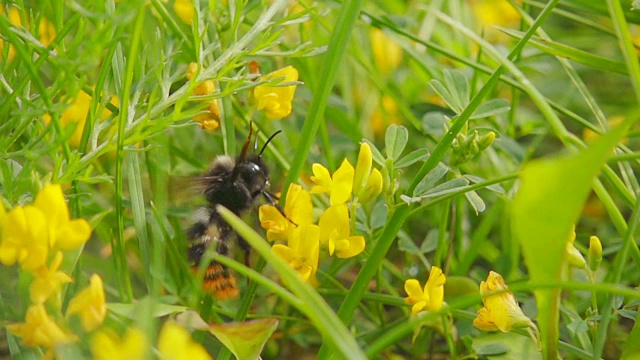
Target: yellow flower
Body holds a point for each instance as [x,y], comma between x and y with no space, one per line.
[574,256]
[500,311]
[302,251]
[64,233]
[175,343]
[338,186]
[276,100]
[89,304]
[25,238]
[494,12]
[47,282]
[298,209]
[47,32]
[211,119]
[40,330]
[431,297]
[387,54]
[367,184]
[14,19]
[76,115]
[107,345]
[185,10]
[335,233]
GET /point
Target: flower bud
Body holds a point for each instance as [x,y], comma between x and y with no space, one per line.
[363,169]
[191,70]
[595,253]
[486,140]
[574,256]
[373,187]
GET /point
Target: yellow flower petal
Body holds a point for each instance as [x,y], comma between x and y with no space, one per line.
[175,343]
[40,330]
[107,345]
[334,223]
[501,310]
[342,183]
[435,288]
[417,307]
[350,247]
[185,10]
[322,178]
[25,238]
[363,169]
[89,304]
[276,100]
[373,187]
[47,282]
[414,290]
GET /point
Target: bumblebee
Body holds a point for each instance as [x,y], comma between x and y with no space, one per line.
[235,184]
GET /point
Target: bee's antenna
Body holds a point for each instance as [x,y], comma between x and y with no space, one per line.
[268,141]
[255,142]
[245,147]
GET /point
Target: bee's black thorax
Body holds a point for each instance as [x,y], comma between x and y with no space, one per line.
[236,185]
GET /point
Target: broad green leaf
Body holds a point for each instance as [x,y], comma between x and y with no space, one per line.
[446,96]
[395,140]
[458,88]
[413,157]
[491,108]
[246,339]
[551,196]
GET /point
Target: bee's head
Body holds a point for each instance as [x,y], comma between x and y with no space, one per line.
[255,174]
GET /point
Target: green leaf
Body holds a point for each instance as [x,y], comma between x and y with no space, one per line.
[632,345]
[132,311]
[506,346]
[245,339]
[491,108]
[413,157]
[577,55]
[551,196]
[459,286]
[377,155]
[476,201]
[430,179]
[493,349]
[458,87]
[406,244]
[446,188]
[444,93]
[395,140]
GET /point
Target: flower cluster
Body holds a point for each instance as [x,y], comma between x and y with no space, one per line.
[299,239]
[276,99]
[173,343]
[210,120]
[31,236]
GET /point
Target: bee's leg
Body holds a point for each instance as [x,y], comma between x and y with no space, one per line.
[271,200]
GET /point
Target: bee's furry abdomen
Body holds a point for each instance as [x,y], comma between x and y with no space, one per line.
[219,281]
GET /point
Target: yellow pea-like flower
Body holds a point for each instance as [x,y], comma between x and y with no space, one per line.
[39,329]
[429,298]
[48,281]
[298,209]
[276,100]
[89,304]
[176,343]
[302,251]
[335,233]
[338,186]
[107,345]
